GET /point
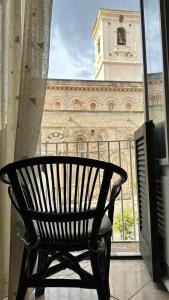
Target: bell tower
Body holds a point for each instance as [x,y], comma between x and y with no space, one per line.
[117,37]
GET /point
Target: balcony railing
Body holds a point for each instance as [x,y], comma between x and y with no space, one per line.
[122,153]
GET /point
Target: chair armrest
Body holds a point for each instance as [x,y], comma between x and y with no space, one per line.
[114,193]
[12,196]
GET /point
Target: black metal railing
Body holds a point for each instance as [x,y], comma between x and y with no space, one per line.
[122,153]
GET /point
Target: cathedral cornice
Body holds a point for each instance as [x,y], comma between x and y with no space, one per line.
[154,81]
[96,88]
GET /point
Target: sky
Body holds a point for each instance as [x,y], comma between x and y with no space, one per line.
[72,47]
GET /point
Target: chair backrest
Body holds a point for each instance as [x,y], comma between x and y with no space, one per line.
[56,196]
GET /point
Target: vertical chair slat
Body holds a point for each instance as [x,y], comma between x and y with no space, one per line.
[44,204]
[33,206]
[53,187]
[32,187]
[61,229]
[49,227]
[70,197]
[58,199]
[59,188]
[81,199]
[48,188]
[39,224]
[64,188]
[65,196]
[76,188]
[75,196]
[93,187]
[70,187]
[40,228]
[82,188]
[91,197]
[87,188]
[37,187]
[29,202]
[54,226]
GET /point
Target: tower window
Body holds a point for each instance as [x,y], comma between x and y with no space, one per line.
[121,36]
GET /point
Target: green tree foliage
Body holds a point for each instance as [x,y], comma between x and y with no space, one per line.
[128,222]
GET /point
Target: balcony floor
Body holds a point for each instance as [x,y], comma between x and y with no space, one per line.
[129,279]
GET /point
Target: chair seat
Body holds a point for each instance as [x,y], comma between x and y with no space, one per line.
[78,238]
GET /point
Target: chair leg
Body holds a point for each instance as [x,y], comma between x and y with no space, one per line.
[42,258]
[101,288]
[21,292]
[107,268]
[22,288]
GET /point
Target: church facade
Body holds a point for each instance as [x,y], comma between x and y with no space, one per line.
[109,108]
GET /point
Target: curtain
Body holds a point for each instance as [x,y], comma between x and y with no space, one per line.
[24,51]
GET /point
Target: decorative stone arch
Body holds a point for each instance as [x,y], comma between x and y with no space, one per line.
[121,36]
[54,144]
[128,104]
[111,104]
[55,137]
[155,99]
[79,146]
[93,103]
[55,103]
[80,143]
[75,103]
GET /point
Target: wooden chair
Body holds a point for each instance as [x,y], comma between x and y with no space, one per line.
[63,203]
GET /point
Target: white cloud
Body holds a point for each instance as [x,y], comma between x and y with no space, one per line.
[62,65]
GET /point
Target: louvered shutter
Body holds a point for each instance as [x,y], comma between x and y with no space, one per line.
[146,183]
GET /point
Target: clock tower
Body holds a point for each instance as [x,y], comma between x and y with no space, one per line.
[117,37]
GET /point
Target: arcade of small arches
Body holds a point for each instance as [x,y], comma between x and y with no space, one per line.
[94,104]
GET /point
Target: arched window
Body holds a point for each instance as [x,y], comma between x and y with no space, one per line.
[93,106]
[111,105]
[81,146]
[57,105]
[128,106]
[121,36]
